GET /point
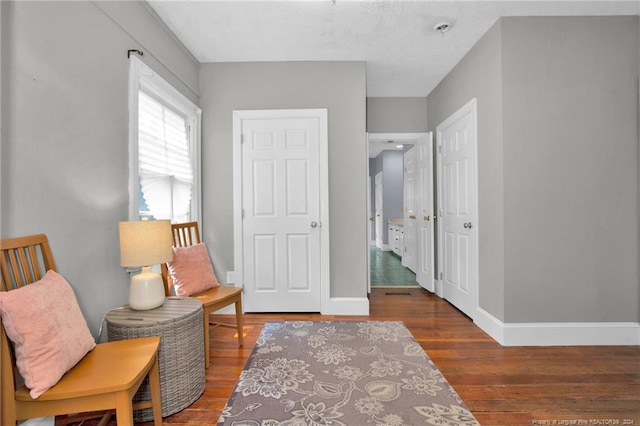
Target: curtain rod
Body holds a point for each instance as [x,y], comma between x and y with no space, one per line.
[130,51]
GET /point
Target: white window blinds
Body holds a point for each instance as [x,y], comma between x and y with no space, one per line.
[164,167]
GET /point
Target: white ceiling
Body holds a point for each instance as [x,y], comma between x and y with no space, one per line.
[405,56]
[379,142]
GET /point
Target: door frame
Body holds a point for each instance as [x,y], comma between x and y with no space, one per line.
[408,215]
[403,138]
[470,107]
[379,232]
[323,155]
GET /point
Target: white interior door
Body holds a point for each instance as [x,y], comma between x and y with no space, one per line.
[409,251]
[378,216]
[281,215]
[457,208]
[425,274]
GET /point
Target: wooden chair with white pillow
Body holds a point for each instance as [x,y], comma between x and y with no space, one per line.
[213,299]
[105,379]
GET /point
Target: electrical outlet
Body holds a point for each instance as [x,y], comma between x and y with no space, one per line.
[231,277]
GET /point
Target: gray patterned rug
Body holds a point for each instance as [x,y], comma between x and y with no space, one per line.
[341,373]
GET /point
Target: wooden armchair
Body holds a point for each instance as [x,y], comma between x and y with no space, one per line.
[106,379]
[187,234]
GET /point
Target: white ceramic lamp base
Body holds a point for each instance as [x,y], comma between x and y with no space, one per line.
[146,290]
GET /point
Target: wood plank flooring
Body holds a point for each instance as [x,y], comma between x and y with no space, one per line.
[580,385]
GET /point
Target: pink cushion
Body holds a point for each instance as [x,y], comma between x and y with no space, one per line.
[49,333]
[191,270]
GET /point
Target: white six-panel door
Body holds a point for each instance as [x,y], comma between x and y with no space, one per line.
[425,241]
[281,214]
[457,203]
[409,250]
[378,213]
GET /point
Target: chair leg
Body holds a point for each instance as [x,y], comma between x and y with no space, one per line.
[156,396]
[239,322]
[124,409]
[8,417]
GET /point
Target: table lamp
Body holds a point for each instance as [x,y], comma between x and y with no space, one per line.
[145,243]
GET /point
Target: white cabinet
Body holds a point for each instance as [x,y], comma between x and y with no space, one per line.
[396,238]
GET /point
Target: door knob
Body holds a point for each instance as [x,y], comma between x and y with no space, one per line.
[371,219]
[426,218]
[412,216]
[315,224]
[467,225]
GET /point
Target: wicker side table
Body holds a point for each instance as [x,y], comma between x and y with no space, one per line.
[178,322]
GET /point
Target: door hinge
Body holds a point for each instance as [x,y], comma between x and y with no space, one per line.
[242,214]
[440,275]
[241,139]
[439,149]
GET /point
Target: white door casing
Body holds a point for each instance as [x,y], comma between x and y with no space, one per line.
[378,213]
[425,274]
[409,248]
[457,208]
[281,227]
[371,223]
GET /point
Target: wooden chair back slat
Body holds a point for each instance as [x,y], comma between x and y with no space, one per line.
[24,260]
[183,235]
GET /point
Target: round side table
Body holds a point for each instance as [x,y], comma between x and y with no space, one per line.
[178,322]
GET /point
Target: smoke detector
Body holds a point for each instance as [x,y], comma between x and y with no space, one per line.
[442,27]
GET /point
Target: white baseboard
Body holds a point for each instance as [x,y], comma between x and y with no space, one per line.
[347,306]
[335,306]
[439,291]
[558,334]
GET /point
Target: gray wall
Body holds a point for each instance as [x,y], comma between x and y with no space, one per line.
[396,115]
[65,132]
[479,75]
[337,86]
[570,125]
[558,166]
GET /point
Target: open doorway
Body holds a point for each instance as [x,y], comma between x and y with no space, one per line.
[391,203]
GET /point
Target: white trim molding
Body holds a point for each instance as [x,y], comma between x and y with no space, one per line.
[438,286]
[558,334]
[346,306]
[142,77]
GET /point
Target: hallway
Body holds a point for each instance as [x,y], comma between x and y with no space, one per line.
[387,270]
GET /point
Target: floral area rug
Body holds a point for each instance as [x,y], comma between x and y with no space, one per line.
[341,373]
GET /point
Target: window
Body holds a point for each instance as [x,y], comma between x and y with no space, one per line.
[164,149]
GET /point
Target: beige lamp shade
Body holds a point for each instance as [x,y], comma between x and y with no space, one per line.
[145,242]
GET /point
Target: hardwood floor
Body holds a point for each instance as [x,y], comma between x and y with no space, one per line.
[583,385]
